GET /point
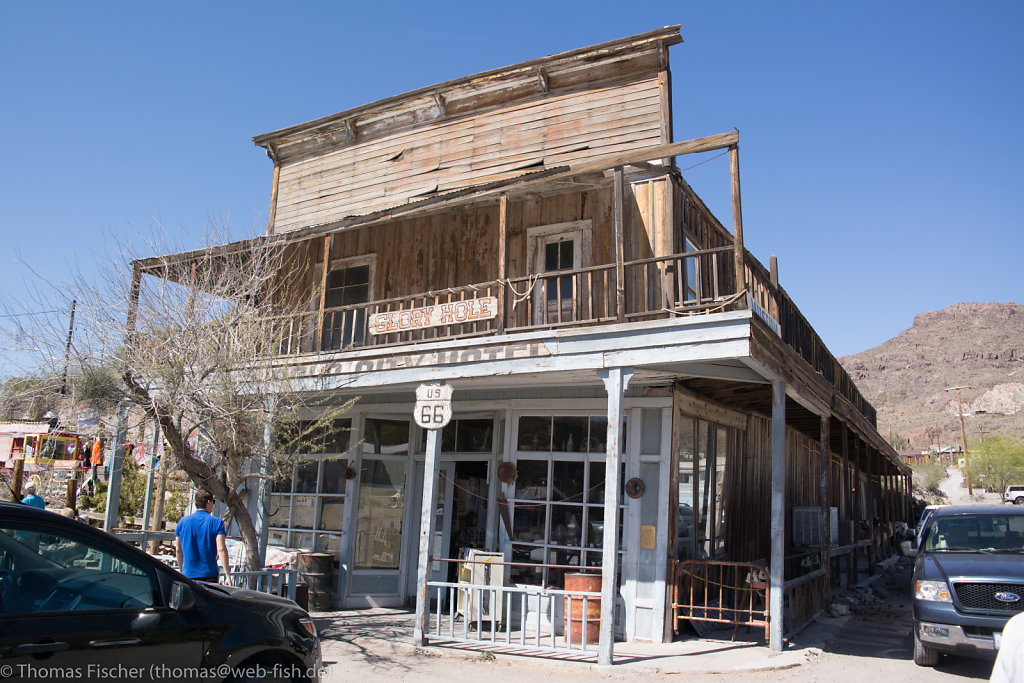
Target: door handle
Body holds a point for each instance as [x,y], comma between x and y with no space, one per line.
[115,643]
[38,648]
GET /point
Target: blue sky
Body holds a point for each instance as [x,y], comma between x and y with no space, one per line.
[879,140]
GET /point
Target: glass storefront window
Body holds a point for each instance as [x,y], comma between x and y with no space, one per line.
[558,498]
[704,450]
[535,433]
[311,500]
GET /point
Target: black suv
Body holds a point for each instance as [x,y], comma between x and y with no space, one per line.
[968,581]
[77,603]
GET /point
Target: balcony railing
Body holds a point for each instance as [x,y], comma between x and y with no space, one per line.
[691,283]
[680,284]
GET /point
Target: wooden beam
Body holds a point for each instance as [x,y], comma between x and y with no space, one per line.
[694,146]
[542,78]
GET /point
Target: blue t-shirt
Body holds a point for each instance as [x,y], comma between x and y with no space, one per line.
[198,537]
[34,500]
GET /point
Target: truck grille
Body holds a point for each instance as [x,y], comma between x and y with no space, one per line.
[982,596]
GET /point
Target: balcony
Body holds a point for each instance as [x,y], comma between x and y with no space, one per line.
[680,284]
[693,283]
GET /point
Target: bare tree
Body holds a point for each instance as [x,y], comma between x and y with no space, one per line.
[194,336]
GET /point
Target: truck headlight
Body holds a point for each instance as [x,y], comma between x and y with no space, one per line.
[935,591]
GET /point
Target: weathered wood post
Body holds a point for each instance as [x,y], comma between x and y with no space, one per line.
[502,259]
[777,563]
[826,517]
[870,505]
[615,382]
[619,219]
[739,257]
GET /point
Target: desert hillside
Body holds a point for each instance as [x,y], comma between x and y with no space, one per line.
[974,345]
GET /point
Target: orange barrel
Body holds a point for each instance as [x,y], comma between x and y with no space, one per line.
[574,614]
[315,570]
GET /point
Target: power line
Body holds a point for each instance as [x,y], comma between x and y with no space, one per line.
[20,315]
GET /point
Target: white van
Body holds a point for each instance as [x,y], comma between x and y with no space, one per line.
[1014,494]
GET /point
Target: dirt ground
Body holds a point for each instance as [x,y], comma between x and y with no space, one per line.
[873,645]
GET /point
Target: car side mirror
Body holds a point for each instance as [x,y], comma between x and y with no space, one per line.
[182,597]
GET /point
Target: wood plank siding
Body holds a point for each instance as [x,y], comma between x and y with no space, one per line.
[547,113]
[449,155]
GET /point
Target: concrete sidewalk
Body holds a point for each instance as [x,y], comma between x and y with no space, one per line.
[379,635]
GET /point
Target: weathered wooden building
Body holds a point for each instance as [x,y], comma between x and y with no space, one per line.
[631,387]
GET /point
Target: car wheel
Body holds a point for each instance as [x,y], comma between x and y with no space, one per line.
[924,656]
[1019,500]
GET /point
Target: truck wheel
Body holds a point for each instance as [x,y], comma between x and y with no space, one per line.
[924,656]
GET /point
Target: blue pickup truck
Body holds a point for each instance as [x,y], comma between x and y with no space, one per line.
[968,581]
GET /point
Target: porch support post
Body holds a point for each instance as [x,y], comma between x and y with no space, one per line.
[150,472]
[737,221]
[427,515]
[776,565]
[824,482]
[121,425]
[116,468]
[870,512]
[619,219]
[847,519]
[615,382]
[263,490]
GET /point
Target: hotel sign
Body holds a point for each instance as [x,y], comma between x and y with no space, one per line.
[453,313]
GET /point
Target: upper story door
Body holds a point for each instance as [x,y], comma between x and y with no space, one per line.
[557,252]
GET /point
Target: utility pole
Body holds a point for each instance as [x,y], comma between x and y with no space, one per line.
[67,350]
[963,434]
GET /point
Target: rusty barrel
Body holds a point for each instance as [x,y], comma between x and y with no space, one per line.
[575,616]
[316,571]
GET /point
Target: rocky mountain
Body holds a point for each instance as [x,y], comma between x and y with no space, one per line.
[976,346]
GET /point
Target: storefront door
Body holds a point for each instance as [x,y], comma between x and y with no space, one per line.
[377,564]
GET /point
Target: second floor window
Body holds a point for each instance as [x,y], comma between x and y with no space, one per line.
[559,254]
[344,325]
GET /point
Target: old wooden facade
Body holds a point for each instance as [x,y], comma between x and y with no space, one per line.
[525,236]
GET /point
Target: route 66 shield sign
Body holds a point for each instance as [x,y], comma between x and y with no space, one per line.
[433,405]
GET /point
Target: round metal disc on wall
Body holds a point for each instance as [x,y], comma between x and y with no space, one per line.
[635,487]
[506,472]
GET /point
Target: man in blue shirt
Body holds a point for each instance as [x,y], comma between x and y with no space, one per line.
[32,499]
[200,540]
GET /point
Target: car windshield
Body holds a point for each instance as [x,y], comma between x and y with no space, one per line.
[994,533]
